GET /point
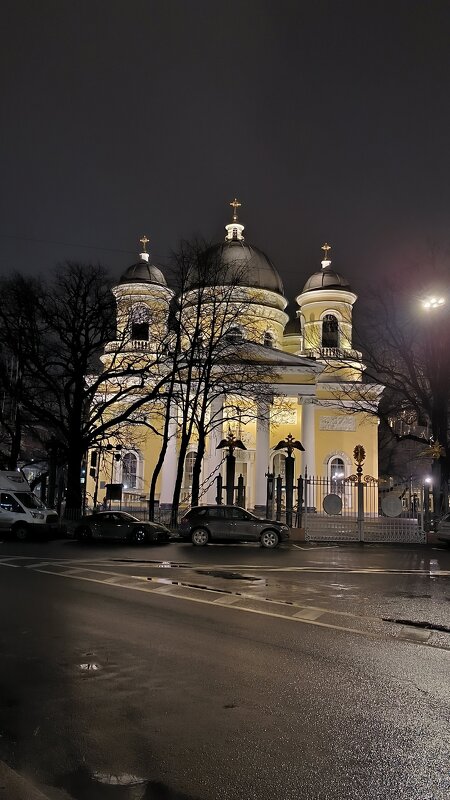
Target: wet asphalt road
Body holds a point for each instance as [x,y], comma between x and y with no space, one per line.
[108,692]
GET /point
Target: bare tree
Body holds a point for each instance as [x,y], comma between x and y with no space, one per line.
[405,342]
[63,327]
[214,331]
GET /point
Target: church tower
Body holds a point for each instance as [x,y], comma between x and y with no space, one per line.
[143,300]
[325,313]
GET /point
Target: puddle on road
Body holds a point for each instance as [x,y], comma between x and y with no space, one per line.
[231,576]
[90,666]
[82,784]
[159,564]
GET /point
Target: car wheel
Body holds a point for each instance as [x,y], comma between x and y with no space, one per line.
[200,537]
[140,536]
[84,534]
[21,533]
[269,539]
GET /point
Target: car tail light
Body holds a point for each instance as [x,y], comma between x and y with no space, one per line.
[183,520]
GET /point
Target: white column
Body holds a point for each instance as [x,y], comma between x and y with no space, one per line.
[170,463]
[262,455]
[215,456]
[308,438]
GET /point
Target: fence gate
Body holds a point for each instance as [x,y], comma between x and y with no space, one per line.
[352,511]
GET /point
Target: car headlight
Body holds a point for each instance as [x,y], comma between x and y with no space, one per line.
[37,515]
[284,528]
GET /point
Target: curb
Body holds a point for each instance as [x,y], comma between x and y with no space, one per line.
[14,787]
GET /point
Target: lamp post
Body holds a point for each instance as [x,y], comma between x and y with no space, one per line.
[116,455]
[436,340]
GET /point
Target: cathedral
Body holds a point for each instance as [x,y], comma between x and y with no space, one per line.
[315,374]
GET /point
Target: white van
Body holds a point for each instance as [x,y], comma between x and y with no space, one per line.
[21,513]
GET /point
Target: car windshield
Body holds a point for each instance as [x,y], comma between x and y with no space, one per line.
[29,500]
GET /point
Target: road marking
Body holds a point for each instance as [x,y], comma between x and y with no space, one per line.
[433,571]
[245,602]
[309,613]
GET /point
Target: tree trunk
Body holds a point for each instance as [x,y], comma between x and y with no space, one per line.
[179,479]
[74,495]
[156,471]
[16,438]
[196,472]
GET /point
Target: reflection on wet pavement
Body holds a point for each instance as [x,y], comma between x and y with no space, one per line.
[83,784]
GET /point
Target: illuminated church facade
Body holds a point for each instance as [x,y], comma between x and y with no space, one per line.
[316,376]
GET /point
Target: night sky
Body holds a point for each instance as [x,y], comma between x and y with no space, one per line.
[328,120]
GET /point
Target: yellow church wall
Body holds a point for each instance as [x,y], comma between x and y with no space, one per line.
[329,442]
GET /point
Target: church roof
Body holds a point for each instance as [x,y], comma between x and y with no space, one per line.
[260,354]
[326,278]
[250,264]
[246,264]
[143,272]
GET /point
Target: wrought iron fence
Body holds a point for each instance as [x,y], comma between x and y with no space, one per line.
[359,511]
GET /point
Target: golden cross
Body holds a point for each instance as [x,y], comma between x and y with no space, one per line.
[235,204]
[326,247]
[144,241]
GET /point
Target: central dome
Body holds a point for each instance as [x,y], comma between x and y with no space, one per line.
[247,265]
[252,267]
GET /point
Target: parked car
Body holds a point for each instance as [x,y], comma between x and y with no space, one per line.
[22,515]
[443,528]
[120,525]
[202,524]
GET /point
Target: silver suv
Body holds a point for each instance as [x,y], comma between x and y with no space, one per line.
[232,524]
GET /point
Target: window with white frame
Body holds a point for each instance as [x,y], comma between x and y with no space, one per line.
[130,471]
[189,469]
[337,474]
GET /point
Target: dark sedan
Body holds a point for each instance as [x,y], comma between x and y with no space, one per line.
[120,525]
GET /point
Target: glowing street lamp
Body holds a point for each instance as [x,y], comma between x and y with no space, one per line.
[433,302]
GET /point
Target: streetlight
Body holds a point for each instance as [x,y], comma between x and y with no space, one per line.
[433,302]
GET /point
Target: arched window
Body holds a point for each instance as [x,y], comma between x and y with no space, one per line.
[129,471]
[269,339]
[189,469]
[140,317]
[337,475]
[234,335]
[330,331]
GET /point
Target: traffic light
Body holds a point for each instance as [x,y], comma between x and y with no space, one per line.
[94,463]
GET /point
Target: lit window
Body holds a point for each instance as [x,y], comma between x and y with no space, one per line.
[189,469]
[129,471]
[337,475]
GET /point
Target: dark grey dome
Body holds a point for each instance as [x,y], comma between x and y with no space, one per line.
[143,272]
[326,278]
[253,266]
